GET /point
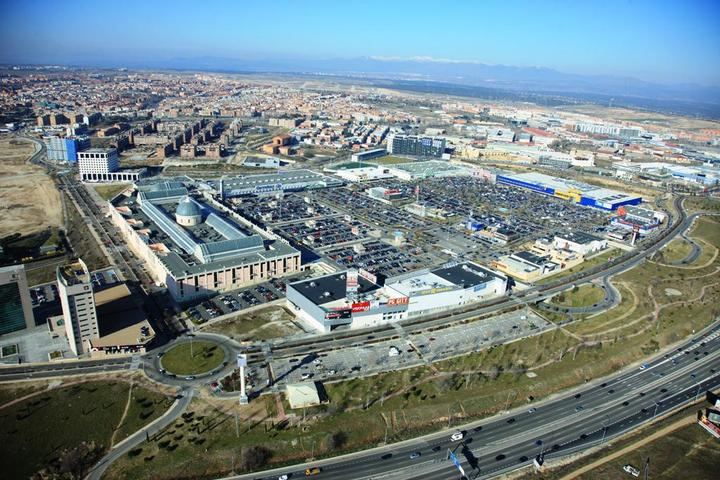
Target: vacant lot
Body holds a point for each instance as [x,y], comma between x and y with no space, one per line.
[28,198]
[263,324]
[36,431]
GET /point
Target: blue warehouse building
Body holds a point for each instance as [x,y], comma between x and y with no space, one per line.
[576,192]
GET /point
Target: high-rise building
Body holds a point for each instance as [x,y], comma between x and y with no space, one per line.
[416,145]
[15,304]
[103,165]
[65,149]
[78,305]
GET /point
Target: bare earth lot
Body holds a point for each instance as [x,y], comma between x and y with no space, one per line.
[28,198]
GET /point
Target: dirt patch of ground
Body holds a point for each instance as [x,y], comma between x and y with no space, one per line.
[28,197]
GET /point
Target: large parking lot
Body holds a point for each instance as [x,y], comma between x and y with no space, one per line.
[380,257]
[326,232]
[287,208]
[408,350]
[237,300]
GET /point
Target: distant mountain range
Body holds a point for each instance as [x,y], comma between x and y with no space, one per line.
[464,73]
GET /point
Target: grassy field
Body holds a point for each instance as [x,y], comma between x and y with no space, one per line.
[409,402]
[586,265]
[271,322]
[205,356]
[675,251]
[35,432]
[109,191]
[581,296]
[705,204]
[688,453]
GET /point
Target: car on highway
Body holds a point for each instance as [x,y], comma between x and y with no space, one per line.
[283,477]
[578,408]
[414,455]
[309,472]
[643,366]
[532,410]
[457,436]
[190,377]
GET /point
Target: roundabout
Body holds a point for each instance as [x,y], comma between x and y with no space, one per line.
[193,357]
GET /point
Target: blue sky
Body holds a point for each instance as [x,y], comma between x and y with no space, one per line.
[661,41]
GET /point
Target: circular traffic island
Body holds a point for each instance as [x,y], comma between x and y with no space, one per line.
[193,358]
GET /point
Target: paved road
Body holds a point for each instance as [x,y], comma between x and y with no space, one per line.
[612,299]
[558,426]
[141,436]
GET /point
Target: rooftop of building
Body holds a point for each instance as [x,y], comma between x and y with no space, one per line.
[581,238]
[459,276]
[562,184]
[282,176]
[531,257]
[430,168]
[121,321]
[466,274]
[330,288]
[216,243]
[98,150]
[74,273]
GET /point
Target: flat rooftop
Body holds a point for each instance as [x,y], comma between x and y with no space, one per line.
[330,288]
[429,168]
[562,184]
[466,274]
[121,321]
[579,237]
[280,177]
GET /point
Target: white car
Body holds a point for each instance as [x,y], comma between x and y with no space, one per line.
[632,470]
[283,477]
[457,436]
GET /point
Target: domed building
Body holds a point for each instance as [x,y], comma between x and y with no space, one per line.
[188,212]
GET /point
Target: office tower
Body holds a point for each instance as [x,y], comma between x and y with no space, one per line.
[78,305]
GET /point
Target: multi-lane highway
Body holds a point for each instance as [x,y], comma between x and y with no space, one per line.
[567,423]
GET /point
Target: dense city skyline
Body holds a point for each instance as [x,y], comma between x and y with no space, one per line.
[664,42]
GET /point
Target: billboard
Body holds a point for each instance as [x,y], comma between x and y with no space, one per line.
[338,314]
[351,283]
[360,307]
[430,291]
[367,275]
[398,301]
